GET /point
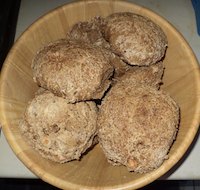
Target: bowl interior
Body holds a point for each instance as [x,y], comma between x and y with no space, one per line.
[181,80]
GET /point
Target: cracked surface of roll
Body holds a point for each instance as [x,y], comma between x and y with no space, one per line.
[73,69]
[144,75]
[137,125]
[136,39]
[57,130]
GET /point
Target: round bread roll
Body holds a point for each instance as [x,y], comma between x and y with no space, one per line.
[72,69]
[57,130]
[90,32]
[147,75]
[136,126]
[136,39]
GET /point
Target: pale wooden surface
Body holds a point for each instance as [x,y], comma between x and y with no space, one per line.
[181,80]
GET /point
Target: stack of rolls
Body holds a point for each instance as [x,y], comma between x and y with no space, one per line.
[102,84]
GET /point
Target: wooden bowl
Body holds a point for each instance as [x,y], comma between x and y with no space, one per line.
[181,80]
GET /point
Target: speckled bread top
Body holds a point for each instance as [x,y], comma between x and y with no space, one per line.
[58,130]
[144,75]
[90,32]
[137,125]
[72,69]
[137,39]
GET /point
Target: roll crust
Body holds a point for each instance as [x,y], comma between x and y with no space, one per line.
[72,69]
[59,131]
[136,126]
[136,39]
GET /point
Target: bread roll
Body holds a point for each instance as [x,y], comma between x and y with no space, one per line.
[144,75]
[89,32]
[137,125]
[72,69]
[136,39]
[59,131]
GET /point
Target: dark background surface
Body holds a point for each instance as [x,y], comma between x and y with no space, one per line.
[8,19]
[37,184]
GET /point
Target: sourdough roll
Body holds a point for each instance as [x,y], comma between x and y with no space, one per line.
[136,39]
[90,32]
[137,125]
[73,69]
[144,75]
[59,131]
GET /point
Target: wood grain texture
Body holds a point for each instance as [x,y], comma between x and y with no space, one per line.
[181,80]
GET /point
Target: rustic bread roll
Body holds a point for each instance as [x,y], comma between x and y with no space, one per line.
[57,130]
[90,32]
[148,75]
[136,39]
[136,126]
[72,69]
